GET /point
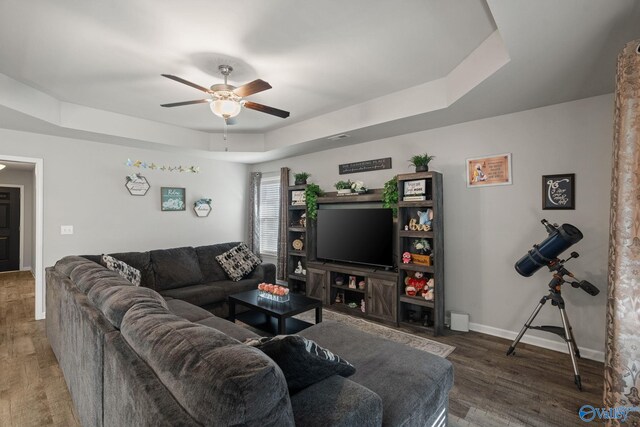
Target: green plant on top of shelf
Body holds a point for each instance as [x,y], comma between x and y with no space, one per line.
[343,185]
[301,178]
[311,194]
[390,195]
[421,162]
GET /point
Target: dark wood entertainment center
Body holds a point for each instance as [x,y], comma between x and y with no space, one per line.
[382,291]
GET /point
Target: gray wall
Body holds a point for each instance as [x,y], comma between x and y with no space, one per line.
[25,178]
[488,229]
[84,186]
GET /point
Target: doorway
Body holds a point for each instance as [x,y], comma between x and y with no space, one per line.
[10,228]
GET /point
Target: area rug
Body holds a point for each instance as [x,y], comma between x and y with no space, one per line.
[420,343]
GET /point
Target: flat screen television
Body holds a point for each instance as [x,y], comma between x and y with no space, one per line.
[361,236]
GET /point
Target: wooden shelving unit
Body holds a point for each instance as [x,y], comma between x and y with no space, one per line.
[297,230]
[417,312]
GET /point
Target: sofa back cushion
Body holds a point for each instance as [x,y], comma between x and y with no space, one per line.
[115,301]
[218,380]
[140,261]
[175,268]
[86,274]
[211,269]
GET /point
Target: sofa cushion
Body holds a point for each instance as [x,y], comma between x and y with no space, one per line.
[130,273]
[141,261]
[425,385]
[67,264]
[302,361]
[175,268]
[191,312]
[229,328]
[210,293]
[238,262]
[216,379]
[90,274]
[209,265]
[115,301]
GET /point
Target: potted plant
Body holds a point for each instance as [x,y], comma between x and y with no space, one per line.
[343,187]
[301,178]
[311,194]
[421,251]
[421,162]
[390,195]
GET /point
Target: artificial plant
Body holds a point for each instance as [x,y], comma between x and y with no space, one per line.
[311,193]
[390,195]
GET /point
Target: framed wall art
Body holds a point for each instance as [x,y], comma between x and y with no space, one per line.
[172,198]
[488,171]
[137,184]
[559,191]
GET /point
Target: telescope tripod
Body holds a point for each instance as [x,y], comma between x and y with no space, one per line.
[565,331]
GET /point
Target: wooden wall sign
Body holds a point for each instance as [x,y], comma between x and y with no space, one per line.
[365,166]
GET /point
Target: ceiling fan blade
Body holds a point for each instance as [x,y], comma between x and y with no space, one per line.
[265,109]
[186,82]
[251,88]
[179,104]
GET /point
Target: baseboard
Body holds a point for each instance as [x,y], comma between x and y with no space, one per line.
[585,353]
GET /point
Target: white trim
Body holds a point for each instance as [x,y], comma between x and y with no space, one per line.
[21,188]
[39,228]
[586,353]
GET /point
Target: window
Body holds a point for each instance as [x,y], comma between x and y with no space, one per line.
[269,205]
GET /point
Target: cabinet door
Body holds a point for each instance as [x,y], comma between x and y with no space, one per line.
[382,299]
[317,284]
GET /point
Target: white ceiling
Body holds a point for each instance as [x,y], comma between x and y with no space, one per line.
[372,69]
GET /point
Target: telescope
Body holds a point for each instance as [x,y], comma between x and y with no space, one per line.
[545,254]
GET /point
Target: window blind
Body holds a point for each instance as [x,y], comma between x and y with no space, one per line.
[269,203]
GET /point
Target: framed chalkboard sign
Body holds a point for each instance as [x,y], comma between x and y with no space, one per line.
[172,199]
[559,191]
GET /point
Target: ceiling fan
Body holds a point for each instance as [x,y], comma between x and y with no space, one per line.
[226,100]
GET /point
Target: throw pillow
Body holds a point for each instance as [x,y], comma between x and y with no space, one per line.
[302,361]
[238,262]
[123,269]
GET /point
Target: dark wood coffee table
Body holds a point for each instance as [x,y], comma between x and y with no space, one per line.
[274,317]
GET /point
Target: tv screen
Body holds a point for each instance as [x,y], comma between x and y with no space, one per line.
[362,236]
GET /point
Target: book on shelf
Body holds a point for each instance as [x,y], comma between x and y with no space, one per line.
[414,198]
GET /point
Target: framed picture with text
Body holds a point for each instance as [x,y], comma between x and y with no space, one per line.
[487,171]
[559,191]
[173,199]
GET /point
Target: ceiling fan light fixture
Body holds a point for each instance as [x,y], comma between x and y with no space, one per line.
[225,108]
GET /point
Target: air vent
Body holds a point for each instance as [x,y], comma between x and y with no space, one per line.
[337,137]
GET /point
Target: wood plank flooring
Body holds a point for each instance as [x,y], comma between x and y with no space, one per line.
[32,389]
[533,388]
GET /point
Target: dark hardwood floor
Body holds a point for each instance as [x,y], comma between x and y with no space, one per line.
[534,387]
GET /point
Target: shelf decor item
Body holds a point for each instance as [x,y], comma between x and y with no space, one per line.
[297,244]
[172,198]
[422,252]
[559,191]
[311,194]
[390,195]
[202,207]
[301,178]
[297,198]
[137,184]
[343,187]
[421,162]
[272,292]
[358,187]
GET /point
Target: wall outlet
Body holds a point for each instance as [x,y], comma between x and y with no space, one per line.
[66,229]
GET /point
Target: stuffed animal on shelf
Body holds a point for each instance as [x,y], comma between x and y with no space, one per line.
[427,292]
[426,217]
[406,258]
[415,284]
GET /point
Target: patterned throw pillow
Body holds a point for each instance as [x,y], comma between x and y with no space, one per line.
[302,361]
[123,269]
[238,262]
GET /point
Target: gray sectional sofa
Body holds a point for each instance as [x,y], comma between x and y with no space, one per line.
[192,274]
[132,357]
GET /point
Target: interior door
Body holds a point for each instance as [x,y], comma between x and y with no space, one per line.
[9,229]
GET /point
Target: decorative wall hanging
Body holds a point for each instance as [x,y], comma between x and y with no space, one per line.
[365,166]
[489,171]
[172,199]
[297,198]
[137,184]
[558,191]
[164,168]
[202,207]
